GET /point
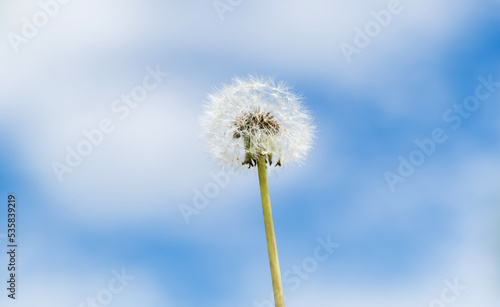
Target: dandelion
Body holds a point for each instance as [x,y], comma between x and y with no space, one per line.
[256,122]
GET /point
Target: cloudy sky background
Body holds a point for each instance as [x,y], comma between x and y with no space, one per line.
[119,209]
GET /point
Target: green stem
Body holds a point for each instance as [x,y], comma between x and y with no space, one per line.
[271,240]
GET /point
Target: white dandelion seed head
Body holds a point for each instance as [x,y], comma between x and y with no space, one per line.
[254,117]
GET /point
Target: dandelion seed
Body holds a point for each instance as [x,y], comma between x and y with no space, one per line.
[263,117]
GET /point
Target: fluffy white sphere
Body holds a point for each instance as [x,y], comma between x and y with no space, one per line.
[254,117]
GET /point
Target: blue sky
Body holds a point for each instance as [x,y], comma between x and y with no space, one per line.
[119,208]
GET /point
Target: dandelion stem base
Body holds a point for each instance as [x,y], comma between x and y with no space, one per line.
[271,240]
